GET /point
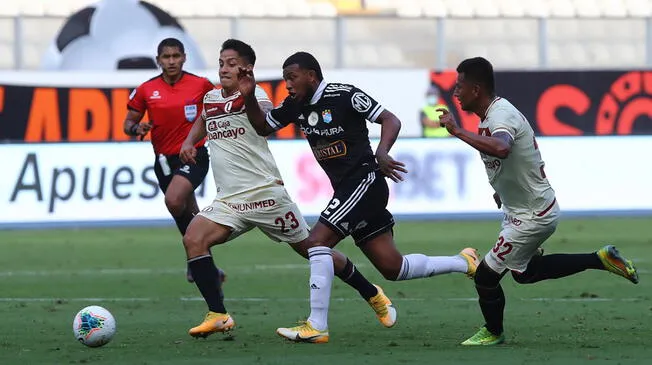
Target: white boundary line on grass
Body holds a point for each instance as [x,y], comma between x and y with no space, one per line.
[257,299]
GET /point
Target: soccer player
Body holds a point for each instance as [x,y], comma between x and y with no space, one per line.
[333,117]
[172,100]
[250,193]
[514,166]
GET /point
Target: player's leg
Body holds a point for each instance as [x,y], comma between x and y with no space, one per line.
[557,266]
[204,232]
[370,224]
[383,254]
[349,273]
[518,242]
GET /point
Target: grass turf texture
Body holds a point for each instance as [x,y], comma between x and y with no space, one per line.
[139,275]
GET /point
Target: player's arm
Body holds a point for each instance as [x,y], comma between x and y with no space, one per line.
[196,134]
[499,144]
[257,110]
[390,126]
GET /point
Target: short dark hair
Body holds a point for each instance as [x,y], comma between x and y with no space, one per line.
[170,42]
[244,50]
[305,61]
[480,71]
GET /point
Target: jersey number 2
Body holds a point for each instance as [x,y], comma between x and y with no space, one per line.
[294,223]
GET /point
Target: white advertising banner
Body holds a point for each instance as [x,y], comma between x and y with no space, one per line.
[115,182]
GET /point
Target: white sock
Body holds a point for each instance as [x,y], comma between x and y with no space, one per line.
[321,279]
[417,266]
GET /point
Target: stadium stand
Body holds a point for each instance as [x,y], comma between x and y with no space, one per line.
[381,33]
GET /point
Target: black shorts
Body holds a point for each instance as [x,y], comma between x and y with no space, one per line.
[358,208]
[195,173]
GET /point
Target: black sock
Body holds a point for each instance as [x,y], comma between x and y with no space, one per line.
[183,221]
[491,297]
[492,304]
[355,279]
[206,275]
[558,266]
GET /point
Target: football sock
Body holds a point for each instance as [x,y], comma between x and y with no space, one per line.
[490,297]
[417,266]
[321,278]
[492,304]
[206,275]
[355,279]
[557,266]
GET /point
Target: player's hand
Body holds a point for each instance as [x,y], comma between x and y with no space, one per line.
[448,120]
[188,153]
[246,81]
[391,167]
[499,202]
[143,128]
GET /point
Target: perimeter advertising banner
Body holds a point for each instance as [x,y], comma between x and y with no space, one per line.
[112,182]
[90,107]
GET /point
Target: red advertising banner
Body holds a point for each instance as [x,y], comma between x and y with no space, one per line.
[570,103]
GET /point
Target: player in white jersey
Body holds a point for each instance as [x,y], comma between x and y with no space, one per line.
[250,193]
[515,169]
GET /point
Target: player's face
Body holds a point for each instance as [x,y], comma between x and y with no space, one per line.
[466,92]
[171,60]
[298,82]
[230,61]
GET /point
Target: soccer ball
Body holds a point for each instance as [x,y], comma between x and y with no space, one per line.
[117,34]
[94,326]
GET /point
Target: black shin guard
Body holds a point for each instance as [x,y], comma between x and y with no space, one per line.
[491,298]
[206,276]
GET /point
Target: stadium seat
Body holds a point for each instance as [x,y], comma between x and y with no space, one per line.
[537,9]
[638,8]
[612,8]
[587,8]
[511,8]
[460,8]
[7,50]
[323,9]
[485,8]
[434,8]
[32,8]
[410,9]
[562,8]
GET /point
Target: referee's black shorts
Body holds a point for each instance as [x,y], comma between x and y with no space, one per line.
[195,173]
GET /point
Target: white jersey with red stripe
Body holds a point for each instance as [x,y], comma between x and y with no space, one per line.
[519,179]
[240,159]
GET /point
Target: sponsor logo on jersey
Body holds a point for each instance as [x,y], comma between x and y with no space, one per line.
[313,119]
[361,102]
[322,132]
[331,150]
[492,164]
[155,95]
[326,116]
[337,87]
[243,207]
[232,133]
[191,112]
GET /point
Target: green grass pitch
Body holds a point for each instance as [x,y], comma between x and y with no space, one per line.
[139,275]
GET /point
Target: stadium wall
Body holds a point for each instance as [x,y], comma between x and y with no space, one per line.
[68,184]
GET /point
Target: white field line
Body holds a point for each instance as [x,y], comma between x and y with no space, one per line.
[260,299]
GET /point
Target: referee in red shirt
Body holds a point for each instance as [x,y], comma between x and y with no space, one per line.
[173,100]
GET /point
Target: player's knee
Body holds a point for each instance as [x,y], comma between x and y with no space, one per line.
[194,244]
[176,204]
[522,277]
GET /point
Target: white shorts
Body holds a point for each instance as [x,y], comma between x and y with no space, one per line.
[269,209]
[519,240]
